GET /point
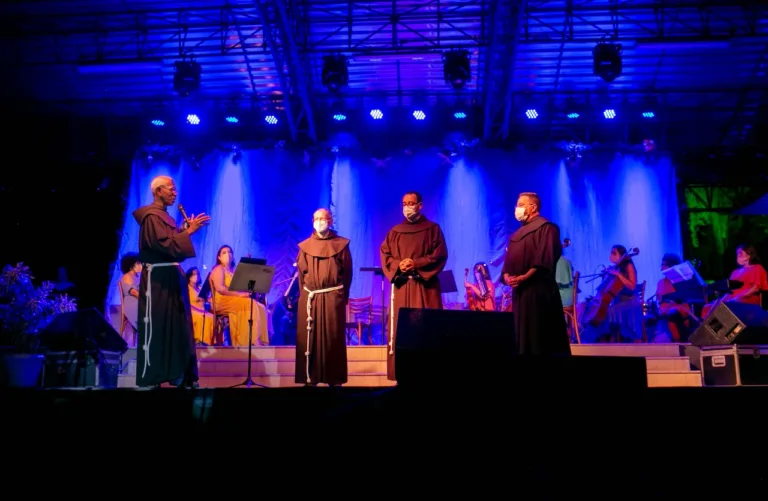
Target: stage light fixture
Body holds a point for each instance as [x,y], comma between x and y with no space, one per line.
[609,114]
[271,119]
[459,115]
[456,68]
[649,114]
[531,114]
[232,120]
[193,119]
[377,114]
[419,115]
[607,61]
[158,123]
[187,77]
[335,73]
[573,116]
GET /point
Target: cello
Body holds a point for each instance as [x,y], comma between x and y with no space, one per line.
[596,310]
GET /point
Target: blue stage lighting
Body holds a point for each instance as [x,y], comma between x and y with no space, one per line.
[377,114]
[193,120]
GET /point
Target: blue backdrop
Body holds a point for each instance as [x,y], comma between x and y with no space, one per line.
[263,205]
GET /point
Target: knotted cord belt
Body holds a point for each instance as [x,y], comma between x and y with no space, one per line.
[309,319]
[148,313]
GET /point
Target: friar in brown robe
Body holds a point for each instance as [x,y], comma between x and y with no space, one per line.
[412,256]
[529,267]
[166,351]
[325,274]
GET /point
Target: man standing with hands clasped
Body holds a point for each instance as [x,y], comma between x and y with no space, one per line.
[412,256]
[529,267]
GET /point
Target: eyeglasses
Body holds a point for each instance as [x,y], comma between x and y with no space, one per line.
[410,204]
[172,189]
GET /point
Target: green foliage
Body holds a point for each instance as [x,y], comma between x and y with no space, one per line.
[25,309]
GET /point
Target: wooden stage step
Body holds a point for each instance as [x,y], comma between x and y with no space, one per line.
[273,366]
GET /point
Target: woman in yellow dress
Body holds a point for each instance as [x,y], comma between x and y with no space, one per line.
[202,321]
[236,305]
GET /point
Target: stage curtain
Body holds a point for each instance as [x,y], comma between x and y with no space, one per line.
[263,205]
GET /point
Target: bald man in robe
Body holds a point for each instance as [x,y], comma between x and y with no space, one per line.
[166,341]
[325,275]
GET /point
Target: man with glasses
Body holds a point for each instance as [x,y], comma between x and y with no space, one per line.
[325,274]
[529,268]
[166,340]
[412,256]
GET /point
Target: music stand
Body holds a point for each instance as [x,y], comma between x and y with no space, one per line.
[447,282]
[377,271]
[254,277]
[689,286]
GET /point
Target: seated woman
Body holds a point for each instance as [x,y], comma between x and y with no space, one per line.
[129,288]
[751,273]
[237,305]
[482,278]
[624,319]
[675,322]
[202,321]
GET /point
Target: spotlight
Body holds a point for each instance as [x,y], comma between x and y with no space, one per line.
[193,120]
[609,114]
[419,115]
[377,114]
[607,61]
[339,117]
[158,123]
[531,114]
[335,74]
[232,120]
[459,115]
[456,69]
[271,119]
[187,77]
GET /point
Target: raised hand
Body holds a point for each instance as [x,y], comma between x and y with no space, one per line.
[197,222]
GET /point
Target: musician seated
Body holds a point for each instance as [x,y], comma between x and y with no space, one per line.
[675,321]
[624,318]
[202,321]
[237,305]
[751,273]
[483,291]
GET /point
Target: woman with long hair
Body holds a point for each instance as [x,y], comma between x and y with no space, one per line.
[749,272]
[202,321]
[624,321]
[236,305]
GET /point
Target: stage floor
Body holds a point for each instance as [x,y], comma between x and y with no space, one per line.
[273,366]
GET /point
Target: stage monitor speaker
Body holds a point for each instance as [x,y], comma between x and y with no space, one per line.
[480,349]
[732,323]
[82,331]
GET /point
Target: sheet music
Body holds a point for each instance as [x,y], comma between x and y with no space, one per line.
[682,273]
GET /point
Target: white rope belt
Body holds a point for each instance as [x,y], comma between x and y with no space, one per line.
[148,313]
[309,319]
[391,318]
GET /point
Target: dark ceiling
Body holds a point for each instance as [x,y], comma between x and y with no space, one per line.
[701,65]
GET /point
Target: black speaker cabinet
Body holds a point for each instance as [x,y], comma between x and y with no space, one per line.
[82,331]
[479,349]
[732,323]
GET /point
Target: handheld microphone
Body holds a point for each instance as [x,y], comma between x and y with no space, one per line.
[186,224]
[183,214]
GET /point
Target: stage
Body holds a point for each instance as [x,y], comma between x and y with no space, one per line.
[273,366]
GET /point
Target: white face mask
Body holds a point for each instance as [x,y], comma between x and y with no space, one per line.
[520,214]
[410,212]
[321,227]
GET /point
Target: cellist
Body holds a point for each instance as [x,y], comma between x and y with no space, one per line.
[624,320]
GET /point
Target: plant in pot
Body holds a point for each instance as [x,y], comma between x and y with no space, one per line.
[25,310]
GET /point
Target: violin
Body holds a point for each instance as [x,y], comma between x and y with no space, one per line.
[597,310]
